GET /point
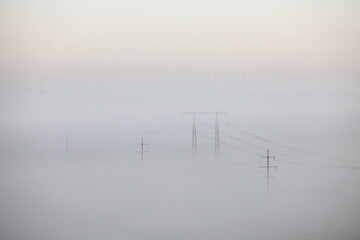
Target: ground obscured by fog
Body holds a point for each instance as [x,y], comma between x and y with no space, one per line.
[69,167]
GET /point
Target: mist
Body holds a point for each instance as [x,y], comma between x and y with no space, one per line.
[71,167]
[108,120]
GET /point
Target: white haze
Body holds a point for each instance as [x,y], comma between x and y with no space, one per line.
[83,82]
[100,190]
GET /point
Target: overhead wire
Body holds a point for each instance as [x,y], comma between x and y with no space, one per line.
[321,178]
[228,145]
[318,164]
[289,158]
[288,147]
[300,179]
[308,136]
[240,140]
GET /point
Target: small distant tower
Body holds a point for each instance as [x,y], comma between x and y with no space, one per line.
[268,168]
[142,151]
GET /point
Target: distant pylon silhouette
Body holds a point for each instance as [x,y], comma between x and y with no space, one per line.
[142,151]
[268,168]
[217,131]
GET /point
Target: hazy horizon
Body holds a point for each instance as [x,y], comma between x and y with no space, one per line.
[83,82]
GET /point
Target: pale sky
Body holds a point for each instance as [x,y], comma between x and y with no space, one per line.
[188,35]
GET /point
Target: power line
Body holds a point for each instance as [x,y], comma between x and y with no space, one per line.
[315,164]
[299,178]
[341,138]
[321,179]
[229,145]
[242,141]
[288,147]
[321,164]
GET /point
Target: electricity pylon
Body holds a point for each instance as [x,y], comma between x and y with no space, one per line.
[193,130]
[217,131]
[268,167]
[142,151]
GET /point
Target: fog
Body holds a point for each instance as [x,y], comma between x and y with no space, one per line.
[70,167]
[84,83]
